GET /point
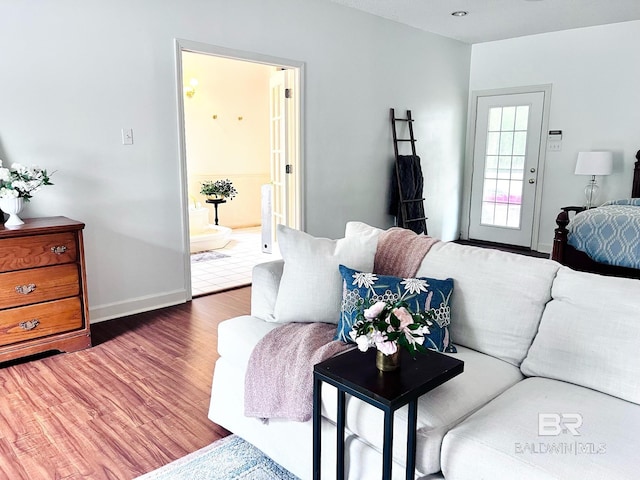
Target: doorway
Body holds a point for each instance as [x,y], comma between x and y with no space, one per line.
[507,167]
[227,135]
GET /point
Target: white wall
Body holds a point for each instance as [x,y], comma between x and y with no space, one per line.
[595,101]
[225,146]
[75,72]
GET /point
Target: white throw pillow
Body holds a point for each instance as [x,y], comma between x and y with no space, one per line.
[354,228]
[311,285]
[498,297]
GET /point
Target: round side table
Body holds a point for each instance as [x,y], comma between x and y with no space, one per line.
[216,202]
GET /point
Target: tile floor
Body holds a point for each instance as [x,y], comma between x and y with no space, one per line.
[244,252]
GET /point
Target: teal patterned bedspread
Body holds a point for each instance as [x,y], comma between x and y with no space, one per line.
[609,234]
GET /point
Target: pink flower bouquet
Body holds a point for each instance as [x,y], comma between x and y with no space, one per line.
[387,326]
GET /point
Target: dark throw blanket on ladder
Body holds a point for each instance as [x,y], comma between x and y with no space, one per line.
[412,182]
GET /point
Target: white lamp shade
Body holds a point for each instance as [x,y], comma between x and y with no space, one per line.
[594,163]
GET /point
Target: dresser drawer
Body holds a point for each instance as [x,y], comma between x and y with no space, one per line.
[38,285]
[35,321]
[37,251]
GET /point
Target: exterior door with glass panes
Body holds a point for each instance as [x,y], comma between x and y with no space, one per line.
[505,166]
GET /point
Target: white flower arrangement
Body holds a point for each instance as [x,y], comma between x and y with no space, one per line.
[21,181]
[388,326]
[219,188]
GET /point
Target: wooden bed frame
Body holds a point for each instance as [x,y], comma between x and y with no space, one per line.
[569,256]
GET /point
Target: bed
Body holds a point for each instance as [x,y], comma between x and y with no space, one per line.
[618,222]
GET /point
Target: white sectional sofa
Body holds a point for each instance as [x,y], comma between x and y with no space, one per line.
[550,388]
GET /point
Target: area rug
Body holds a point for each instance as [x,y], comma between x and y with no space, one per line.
[206,256]
[230,458]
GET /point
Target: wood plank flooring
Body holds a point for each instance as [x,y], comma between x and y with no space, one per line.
[136,400]
[504,247]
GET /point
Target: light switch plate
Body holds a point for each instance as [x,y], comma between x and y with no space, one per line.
[554,146]
[127,136]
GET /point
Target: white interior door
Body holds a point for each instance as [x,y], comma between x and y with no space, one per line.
[279,147]
[505,167]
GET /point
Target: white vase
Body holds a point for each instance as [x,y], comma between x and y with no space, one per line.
[12,206]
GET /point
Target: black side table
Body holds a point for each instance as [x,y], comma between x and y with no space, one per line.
[216,202]
[355,373]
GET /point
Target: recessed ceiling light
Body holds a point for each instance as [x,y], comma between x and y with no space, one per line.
[460,13]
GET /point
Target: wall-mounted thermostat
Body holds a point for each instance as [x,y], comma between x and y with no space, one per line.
[554,141]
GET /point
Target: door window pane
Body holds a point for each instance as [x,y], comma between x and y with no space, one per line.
[517,168]
[491,167]
[508,118]
[504,166]
[495,119]
[506,143]
[519,143]
[522,117]
[515,192]
[493,143]
[492,162]
[489,191]
[487,213]
[513,216]
[502,191]
[500,215]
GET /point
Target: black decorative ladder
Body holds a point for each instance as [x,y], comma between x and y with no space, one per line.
[402,219]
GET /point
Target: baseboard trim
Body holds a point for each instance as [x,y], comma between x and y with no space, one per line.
[545,247]
[137,305]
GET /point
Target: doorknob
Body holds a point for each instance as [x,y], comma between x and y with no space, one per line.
[533,170]
[531,180]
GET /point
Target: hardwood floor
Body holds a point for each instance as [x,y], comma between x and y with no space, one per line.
[136,400]
[505,248]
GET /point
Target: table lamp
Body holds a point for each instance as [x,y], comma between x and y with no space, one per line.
[593,163]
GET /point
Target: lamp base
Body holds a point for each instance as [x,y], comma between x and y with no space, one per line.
[591,192]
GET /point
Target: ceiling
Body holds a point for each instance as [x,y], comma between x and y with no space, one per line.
[490,20]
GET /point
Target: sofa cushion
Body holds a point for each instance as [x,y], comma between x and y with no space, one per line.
[311,287]
[265,282]
[590,334]
[498,299]
[503,441]
[361,290]
[287,442]
[237,337]
[483,379]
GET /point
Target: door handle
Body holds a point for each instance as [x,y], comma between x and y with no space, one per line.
[531,180]
[533,170]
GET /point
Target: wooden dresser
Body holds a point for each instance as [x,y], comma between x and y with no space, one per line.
[43,288]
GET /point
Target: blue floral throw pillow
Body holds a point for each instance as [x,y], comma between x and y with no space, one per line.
[360,290]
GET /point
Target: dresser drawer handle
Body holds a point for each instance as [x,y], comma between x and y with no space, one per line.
[59,249]
[25,289]
[29,324]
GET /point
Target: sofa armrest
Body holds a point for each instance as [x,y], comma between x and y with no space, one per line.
[265,282]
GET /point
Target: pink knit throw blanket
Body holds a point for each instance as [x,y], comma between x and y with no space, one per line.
[400,252]
[279,379]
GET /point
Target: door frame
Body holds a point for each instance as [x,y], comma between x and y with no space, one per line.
[182,45]
[470,147]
